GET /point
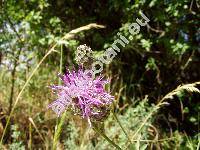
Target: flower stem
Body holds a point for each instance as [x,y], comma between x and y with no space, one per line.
[105,137]
[58,130]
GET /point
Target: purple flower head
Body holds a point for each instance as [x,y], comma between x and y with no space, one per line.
[84,95]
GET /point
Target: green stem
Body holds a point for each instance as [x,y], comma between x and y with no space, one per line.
[115,117]
[58,126]
[105,137]
[58,130]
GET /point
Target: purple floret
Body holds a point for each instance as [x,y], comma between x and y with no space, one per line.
[83,94]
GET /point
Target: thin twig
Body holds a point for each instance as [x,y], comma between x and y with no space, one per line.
[188,61]
[126,134]
[105,137]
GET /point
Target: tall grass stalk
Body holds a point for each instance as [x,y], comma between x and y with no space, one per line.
[37,130]
[188,87]
[52,49]
[58,126]
[20,93]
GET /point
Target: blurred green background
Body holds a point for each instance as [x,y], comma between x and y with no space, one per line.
[163,55]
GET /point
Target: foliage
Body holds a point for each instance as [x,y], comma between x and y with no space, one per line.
[17,144]
[164,54]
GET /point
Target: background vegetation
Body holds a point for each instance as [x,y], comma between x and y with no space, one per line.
[165,54]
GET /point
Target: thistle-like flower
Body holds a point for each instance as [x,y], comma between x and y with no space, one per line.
[83,95]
